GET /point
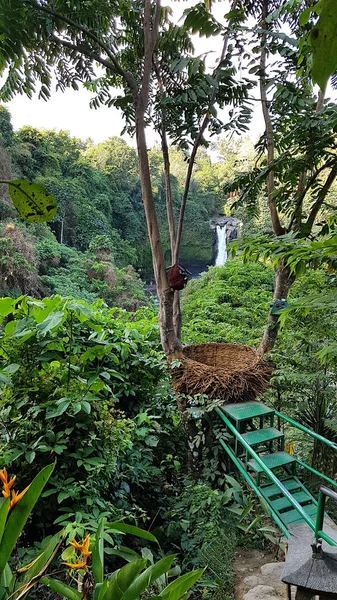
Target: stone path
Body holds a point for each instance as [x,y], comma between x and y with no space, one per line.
[258,576]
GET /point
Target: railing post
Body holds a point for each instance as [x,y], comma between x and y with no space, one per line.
[320,513]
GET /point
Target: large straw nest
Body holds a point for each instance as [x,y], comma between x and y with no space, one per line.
[229,372]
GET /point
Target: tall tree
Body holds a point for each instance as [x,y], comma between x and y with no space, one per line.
[297,161]
[147,57]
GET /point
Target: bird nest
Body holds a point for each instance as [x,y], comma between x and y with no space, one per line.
[229,372]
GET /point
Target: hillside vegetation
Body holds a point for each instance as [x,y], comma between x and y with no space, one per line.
[97,246]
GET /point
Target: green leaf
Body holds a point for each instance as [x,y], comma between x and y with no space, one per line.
[145,579]
[61,588]
[179,587]
[20,514]
[304,16]
[3,515]
[39,564]
[132,530]
[30,455]
[50,322]
[124,552]
[324,44]
[100,589]
[32,201]
[123,579]
[6,306]
[11,369]
[98,554]
[61,408]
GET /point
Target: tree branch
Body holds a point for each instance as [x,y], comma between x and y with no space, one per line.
[150,39]
[82,50]
[278,229]
[127,76]
[321,197]
[196,145]
[167,171]
[187,186]
[305,191]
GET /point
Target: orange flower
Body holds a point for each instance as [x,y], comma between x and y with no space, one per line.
[84,546]
[81,563]
[7,488]
[77,565]
[7,485]
[17,496]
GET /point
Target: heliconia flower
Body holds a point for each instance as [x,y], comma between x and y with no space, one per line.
[16,497]
[7,485]
[3,475]
[4,479]
[83,548]
[6,491]
[77,565]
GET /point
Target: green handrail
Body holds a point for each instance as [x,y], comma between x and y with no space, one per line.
[273,478]
[323,494]
[253,485]
[313,434]
[312,470]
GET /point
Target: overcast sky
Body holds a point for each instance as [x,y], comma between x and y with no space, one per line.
[70,110]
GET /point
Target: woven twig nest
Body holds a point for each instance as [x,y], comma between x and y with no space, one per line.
[229,372]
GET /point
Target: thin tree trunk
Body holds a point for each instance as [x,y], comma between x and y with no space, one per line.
[168,191]
[282,285]
[171,344]
[278,229]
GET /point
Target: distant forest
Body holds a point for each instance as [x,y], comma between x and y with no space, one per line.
[97,245]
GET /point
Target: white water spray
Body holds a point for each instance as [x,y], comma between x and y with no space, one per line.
[222,245]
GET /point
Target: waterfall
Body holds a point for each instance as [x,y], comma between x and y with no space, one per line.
[222,245]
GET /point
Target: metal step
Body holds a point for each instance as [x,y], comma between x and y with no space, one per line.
[290,483]
[293,516]
[261,436]
[280,504]
[272,461]
[246,410]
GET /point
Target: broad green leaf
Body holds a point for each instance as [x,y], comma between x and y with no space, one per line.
[132,530]
[32,201]
[234,483]
[124,552]
[6,306]
[11,369]
[144,580]
[123,579]
[39,564]
[50,322]
[324,44]
[7,578]
[20,513]
[304,16]
[179,587]
[61,588]
[4,379]
[98,554]
[100,589]
[4,506]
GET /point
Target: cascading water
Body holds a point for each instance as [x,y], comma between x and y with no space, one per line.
[222,245]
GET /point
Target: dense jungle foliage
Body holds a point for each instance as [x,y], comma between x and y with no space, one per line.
[90,431]
[88,386]
[96,247]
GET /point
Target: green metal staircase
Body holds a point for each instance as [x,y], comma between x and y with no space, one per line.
[256,447]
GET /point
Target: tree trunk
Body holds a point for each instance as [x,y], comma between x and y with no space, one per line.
[170,342]
[282,285]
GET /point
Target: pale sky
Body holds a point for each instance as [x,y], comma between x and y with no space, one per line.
[70,110]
